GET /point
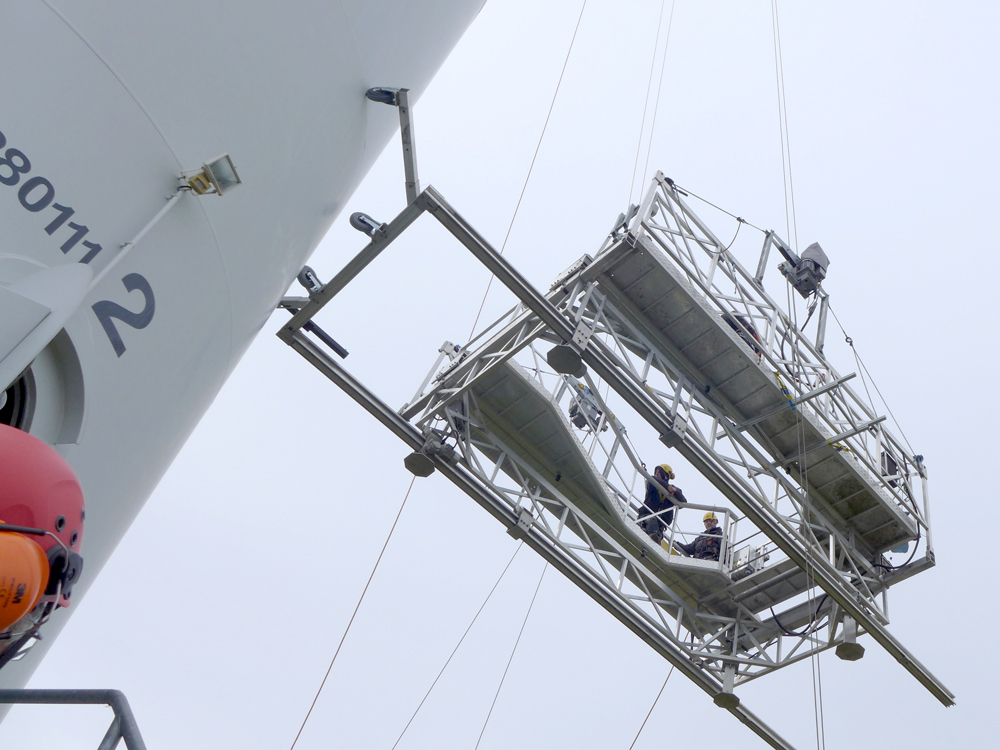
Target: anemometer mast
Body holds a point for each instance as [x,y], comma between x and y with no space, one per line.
[687,345]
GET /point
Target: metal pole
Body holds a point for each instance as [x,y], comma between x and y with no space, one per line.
[171,202]
[929,541]
[113,736]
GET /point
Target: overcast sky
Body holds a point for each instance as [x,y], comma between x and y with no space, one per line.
[220,611]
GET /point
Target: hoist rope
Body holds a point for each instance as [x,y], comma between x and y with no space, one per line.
[861,365]
[779,74]
[643,726]
[687,191]
[645,102]
[513,651]
[817,674]
[460,641]
[353,615]
[532,165]
[659,89]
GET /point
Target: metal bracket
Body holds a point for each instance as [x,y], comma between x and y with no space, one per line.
[678,431]
[400,98]
[581,336]
[524,523]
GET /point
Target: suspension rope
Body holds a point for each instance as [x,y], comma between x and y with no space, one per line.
[532,166]
[460,641]
[687,191]
[353,615]
[513,651]
[643,726]
[817,675]
[779,74]
[810,580]
[861,365]
[659,89]
[645,101]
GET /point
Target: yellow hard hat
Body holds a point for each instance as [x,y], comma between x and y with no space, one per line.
[711,515]
[666,468]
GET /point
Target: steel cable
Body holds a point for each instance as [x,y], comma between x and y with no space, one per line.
[659,89]
[655,701]
[460,641]
[353,615]
[532,166]
[513,651]
[645,101]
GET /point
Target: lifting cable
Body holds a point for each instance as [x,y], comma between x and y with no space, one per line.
[351,621]
[643,726]
[659,89]
[645,101]
[786,149]
[460,641]
[814,663]
[741,220]
[861,366]
[532,166]
[513,651]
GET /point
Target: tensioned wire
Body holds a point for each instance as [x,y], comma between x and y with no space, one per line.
[510,226]
[659,90]
[531,167]
[650,713]
[460,641]
[512,652]
[779,73]
[516,208]
[645,101]
[353,615]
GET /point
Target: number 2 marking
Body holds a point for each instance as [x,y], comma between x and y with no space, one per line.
[106,311]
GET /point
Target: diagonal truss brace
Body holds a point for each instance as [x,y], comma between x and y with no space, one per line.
[630,615]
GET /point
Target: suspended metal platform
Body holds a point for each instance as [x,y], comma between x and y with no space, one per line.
[685,344]
[656,297]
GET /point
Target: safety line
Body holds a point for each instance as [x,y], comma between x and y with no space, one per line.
[532,166]
[817,675]
[857,357]
[513,651]
[688,191]
[788,136]
[779,74]
[460,641]
[651,709]
[659,90]
[645,101]
[351,621]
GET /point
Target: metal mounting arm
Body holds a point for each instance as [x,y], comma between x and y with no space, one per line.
[401,98]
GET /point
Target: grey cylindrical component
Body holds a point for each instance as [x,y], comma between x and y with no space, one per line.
[815,254]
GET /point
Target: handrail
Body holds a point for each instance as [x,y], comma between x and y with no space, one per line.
[123,727]
[728,287]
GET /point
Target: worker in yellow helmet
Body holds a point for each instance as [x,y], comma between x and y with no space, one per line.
[661,497]
[708,545]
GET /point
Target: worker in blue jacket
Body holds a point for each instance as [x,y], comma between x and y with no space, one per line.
[657,500]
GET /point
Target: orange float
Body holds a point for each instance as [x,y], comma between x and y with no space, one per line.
[24,574]
[40,491]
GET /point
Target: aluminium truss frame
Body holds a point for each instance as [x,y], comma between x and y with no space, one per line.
[658,390]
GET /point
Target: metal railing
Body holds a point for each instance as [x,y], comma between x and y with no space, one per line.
[849,422]
[123,726]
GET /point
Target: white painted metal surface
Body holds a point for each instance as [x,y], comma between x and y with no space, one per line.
[103,107]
